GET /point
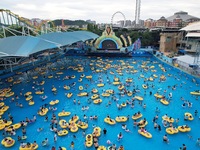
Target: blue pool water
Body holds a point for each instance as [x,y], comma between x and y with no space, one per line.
[131,140]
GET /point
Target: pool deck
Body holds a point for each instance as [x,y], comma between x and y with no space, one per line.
[184,66]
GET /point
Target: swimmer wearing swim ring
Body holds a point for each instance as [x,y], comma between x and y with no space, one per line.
[119,136]
[108,142]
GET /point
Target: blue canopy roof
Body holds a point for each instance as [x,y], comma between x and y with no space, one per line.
[85,35]
[59,37]
[67,38]
[23,46]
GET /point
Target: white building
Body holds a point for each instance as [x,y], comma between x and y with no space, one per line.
[191,42]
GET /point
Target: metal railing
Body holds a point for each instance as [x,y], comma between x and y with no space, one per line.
[186,67]
[179,64]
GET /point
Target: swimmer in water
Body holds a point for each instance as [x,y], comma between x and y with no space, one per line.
[39,129]
[108,142]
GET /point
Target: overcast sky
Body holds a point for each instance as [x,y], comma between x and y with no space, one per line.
[99,10]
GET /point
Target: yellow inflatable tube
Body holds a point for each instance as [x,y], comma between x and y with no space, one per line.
[189,115]
[145,134]
[97,101]
[184,128]
[88,77]
[164,101]
[62,132]
[95,96]
[109,121]
[121,119]
[94,90]
[29,148]
[83,125]
[105,94]
[116,83]
[44,112]
[69,95]
[101,148]
[29,97]
[61,114]
[139,98]
[82,94]
[39,92]
[171,130]
[100,85]
[74,128]
[136,116]
[4,143]
[158,95]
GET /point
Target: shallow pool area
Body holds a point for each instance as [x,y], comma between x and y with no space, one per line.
[134,82]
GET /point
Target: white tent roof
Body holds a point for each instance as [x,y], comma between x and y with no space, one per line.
[193,34]
[186,58]
[192,27]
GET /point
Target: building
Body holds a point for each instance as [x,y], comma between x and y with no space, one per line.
[140,25]
[128,23]
[184,16]
[191,40]
[149,23]
[170,41]
[162,22]
[181,19]
[178,20]
[121,23]
[187,39]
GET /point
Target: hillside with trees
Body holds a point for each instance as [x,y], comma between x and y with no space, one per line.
[79,23]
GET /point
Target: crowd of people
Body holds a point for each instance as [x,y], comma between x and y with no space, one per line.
[117,100]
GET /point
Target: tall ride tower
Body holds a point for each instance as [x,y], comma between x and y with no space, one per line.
[137,12]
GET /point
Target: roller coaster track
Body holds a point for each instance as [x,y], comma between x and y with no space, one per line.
[8,18]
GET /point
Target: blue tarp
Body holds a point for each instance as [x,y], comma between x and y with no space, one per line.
[181,51]
[193,66]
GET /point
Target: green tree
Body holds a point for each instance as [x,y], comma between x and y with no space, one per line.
[93,28]
[147,38]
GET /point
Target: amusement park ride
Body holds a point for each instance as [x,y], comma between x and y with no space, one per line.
[107,43]
[124,19]
[8,18]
